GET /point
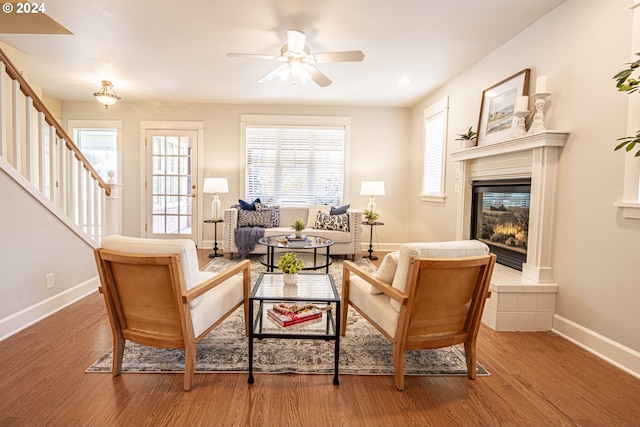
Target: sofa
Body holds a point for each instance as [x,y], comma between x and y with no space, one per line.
[344,227]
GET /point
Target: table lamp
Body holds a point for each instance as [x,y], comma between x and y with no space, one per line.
[215,186]
[372,189]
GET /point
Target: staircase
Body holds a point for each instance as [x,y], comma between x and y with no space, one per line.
[38,154]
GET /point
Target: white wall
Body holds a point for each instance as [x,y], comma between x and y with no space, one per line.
[378,151]
[35,243]
[580,46]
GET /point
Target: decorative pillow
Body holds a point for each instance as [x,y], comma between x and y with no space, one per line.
[254,218]
[326,221]
[275,213]
[248,206]
[386,271]
[339,210]
[313,214]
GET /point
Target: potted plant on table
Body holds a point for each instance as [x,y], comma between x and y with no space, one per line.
[370,216]
[298,225]
[290,264]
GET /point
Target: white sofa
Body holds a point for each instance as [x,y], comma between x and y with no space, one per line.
[346,243]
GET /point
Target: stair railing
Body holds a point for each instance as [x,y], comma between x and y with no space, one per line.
[38,148]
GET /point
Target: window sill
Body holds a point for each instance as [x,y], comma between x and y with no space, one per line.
[432,198]
[629,210]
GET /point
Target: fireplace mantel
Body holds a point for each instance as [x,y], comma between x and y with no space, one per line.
[525,143]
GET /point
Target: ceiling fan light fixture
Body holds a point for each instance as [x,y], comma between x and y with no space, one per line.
[106,95]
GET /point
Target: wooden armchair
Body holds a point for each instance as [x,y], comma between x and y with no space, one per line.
[156,295]
[435,298]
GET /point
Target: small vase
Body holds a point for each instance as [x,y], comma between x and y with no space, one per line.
[298,234]
[289,291]
[290,279]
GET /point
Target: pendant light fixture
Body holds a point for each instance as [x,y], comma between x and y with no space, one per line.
[106,96]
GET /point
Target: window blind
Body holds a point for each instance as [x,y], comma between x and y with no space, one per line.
[434,141]
[295,164]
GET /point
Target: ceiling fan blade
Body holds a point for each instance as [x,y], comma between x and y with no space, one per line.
[272,74]
[295,41]
[255,56]
[320,79]
[346,56]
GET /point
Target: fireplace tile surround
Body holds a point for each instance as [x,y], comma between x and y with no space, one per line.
[520,301]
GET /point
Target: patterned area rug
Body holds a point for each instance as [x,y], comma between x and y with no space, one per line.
[363,350]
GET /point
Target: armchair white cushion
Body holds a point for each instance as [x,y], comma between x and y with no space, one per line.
[206,309]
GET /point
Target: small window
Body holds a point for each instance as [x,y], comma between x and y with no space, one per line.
[435,137]
[99,142]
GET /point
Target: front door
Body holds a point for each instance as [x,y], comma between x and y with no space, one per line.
[171,184]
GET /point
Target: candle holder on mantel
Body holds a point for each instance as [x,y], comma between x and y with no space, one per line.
[537,125]
[522,128]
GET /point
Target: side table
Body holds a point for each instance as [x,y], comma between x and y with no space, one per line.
[371,257]
[215,222]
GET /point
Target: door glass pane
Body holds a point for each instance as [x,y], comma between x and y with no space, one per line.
[158,204]
[158,224]
[172,181]
[172,145]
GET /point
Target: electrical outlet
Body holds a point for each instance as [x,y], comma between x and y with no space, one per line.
[50,281]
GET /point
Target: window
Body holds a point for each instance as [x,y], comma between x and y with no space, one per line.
[99,143]
[433,165]
[295,160]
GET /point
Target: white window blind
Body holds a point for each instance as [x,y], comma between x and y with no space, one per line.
[435,132]
[295,164]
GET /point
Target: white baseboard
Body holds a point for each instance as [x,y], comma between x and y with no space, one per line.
[16,322]
[605,348]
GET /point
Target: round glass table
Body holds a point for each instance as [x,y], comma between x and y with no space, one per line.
[288,243]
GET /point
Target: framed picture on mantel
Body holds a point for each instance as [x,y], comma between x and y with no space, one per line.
[497,121]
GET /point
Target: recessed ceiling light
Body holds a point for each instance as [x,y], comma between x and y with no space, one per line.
[404,81]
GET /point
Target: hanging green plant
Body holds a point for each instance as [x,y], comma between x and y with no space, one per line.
[625,82]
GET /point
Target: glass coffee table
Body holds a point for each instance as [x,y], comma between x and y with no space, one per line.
[315,288]
[312,261]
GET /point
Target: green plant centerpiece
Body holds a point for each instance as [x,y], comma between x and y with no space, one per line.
[370,215]
[468,138]
[290,264]
[298,225]
[625,82]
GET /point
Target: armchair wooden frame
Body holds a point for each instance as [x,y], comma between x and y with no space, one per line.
[148,303]
[441,306]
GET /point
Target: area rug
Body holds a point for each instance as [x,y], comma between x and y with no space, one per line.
[363,351]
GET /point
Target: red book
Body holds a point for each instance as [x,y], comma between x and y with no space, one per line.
[288,319]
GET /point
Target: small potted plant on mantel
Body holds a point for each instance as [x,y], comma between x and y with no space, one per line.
[469,138]
[370,216]
[298,225]
[290,264]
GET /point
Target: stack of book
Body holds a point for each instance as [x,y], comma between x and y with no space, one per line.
[298,241]
[288,319]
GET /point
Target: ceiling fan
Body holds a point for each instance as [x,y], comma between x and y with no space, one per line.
[298,61]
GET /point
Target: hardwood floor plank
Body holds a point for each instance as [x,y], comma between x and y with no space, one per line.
[536,379]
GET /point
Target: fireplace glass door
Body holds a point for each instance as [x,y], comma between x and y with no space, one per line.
[500,218]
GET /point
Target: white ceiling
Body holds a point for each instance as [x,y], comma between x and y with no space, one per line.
[176,51]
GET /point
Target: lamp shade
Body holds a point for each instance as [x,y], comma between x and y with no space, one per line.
[372,188]
[215,185]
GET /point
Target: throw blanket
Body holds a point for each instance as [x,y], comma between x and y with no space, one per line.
[246,239]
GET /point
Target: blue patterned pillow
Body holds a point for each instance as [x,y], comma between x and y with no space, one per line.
[326,221]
